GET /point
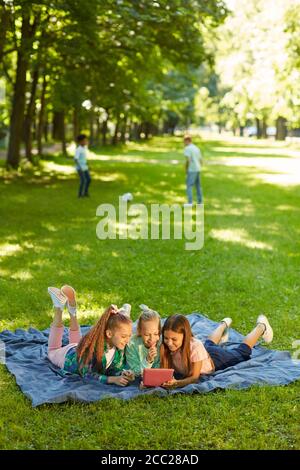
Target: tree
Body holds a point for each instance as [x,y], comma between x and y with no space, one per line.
[104,51]
[252,63]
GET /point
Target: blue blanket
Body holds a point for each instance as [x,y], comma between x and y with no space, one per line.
[41,382]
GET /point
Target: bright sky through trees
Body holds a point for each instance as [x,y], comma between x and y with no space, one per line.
[255,66]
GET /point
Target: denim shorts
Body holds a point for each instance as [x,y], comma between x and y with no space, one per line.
[224,357]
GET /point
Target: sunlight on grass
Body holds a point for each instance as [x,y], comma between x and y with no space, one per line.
[110,177]
[8,249]
[242,211]
[59,168]
[287,207]
[262,151]
[22,276]
[239,236]
[281,179]
[122,158]
[4,272]
[286,171]
[131,158]
[81,248]
[49,227]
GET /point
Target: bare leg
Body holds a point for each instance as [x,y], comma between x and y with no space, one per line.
[70,293]
[57,320]
[254,336]
[218,333]
[74,325]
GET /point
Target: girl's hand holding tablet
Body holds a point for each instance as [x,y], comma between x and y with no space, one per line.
[171,384]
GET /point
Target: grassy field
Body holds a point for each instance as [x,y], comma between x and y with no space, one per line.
[250,264]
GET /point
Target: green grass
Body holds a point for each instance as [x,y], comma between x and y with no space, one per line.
[249,264]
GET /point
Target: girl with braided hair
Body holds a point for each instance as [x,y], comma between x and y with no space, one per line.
[99,353]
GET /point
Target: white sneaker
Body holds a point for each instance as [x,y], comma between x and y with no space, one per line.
[58,298]
[225,335]
[125,310]
[268,333]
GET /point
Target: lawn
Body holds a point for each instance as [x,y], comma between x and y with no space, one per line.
[250,264]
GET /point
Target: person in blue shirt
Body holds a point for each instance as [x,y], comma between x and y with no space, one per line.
[82,166]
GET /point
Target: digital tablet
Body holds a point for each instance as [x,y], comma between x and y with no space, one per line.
[156,377]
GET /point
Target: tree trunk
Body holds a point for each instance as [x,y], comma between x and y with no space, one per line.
[139,131]
[136,131]
[242,131]
[104,131]
[165,127]
[63,134]
[92,133]
[4,26]
[57,129]
[30,115]
[264,133]
[41,118]
[114,140]
[76,129]
[18,104]
[281,129]
[54,125]
[147,130]
[46,127]
[124,130]
[98,130]
[258,128]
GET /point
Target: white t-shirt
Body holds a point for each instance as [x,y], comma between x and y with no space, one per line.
[81,158]
[192,152]
[109,356]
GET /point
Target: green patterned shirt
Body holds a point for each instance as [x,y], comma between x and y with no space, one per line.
[89,371]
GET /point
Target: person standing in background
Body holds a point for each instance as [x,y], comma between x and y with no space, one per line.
[192,167]
[82,166]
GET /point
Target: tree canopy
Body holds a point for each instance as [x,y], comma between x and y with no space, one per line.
[257,67]
[118,57]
